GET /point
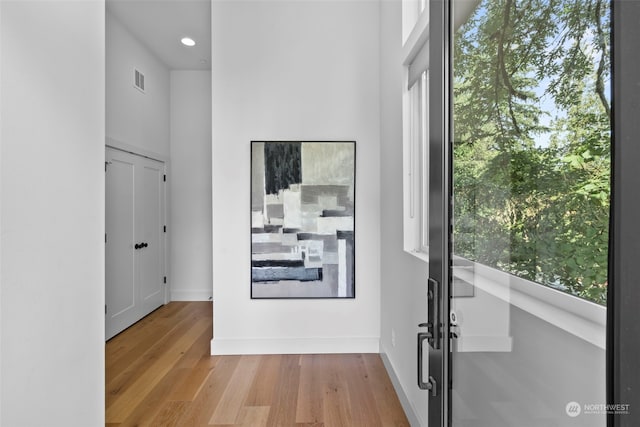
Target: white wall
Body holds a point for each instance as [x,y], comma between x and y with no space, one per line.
[293,71]
[137,119]
[52,217]
[404,276]
[190,273]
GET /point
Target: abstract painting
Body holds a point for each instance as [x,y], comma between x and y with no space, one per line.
[302,219]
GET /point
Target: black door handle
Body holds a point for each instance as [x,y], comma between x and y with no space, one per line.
[137,246]
[430,384]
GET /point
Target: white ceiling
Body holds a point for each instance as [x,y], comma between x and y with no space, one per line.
[160,24]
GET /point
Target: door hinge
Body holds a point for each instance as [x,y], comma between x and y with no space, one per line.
[165,228]
[105,237]
[164,177]
[165,279]
[105,309]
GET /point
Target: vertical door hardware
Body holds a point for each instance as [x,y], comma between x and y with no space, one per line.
[433,293]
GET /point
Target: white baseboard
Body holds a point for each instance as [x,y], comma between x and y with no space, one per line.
[202,295]
[228,346]
[404,400]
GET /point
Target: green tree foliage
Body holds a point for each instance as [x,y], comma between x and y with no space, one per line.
[532,141]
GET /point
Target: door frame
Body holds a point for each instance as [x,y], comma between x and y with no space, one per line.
[127,148]
[623,329]
[439,98]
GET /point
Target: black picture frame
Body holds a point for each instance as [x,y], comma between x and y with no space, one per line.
[303,219]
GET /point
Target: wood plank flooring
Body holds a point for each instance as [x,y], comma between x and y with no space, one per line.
[159,373]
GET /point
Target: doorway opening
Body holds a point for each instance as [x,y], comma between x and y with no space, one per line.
[158,116]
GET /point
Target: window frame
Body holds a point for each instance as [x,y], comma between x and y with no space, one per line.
[415,115]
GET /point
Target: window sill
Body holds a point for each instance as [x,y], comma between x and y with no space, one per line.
[422,256]
[580,317]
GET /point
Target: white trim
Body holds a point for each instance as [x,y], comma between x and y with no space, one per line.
[423,242]
[165,235]
[418,36]
[421,255]
[319,345]
[410,179]
[415,168]
[191,295]
[580,317]
[123,146]
[412,416]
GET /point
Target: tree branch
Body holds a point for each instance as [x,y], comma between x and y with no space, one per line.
[603,49]
[502,69]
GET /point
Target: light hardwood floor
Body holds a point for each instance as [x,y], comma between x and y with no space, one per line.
[159,373]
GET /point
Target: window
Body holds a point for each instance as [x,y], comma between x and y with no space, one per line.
[531,134]
[416,168]
[415,114]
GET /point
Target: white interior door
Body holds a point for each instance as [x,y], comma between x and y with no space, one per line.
[149,224]
[121,298]
[134,239]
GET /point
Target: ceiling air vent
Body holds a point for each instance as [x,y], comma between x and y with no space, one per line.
[138,81]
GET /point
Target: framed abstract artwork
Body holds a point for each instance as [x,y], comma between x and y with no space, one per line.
[303,219]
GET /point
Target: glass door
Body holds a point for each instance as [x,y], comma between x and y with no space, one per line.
[530,156]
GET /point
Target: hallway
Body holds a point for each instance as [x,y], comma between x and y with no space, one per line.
[159,373]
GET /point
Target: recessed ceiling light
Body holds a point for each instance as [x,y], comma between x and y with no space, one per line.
[188,41]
